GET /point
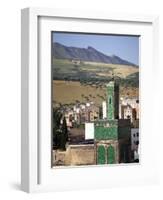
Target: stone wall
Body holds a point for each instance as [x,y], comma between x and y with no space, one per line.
[82,155]
[75,155]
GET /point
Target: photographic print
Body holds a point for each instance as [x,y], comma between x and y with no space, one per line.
[95,99]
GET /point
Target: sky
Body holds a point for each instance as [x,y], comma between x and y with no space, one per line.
[126,47]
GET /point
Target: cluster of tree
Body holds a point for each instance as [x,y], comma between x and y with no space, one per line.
[60,131]
[131,80]
[86,78]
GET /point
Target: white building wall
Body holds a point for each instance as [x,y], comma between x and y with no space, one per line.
[104,113]
[89,131]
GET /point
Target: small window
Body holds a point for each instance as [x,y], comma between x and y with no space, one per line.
[110,100]
[137,134]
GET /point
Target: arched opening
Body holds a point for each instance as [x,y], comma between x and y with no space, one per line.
[101,155]
[110,155]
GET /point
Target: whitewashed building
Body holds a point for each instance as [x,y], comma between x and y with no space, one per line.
[89,131]
[104,111]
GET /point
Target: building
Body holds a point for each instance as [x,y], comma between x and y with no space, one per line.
[88,112]
[89,131]
[69,117]
[106,139]
[92,113]
[112,135]
[135,142]
[76,61]
[129,108]
[104,113]
[112,101]
[127,112]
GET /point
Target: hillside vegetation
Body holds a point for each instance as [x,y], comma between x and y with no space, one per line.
[71,92]
[95,72]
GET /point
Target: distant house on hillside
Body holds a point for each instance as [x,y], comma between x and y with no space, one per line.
[76,61]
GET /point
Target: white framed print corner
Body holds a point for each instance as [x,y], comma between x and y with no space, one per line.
[87,114]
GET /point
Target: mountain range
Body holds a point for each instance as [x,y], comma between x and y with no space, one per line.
[61,51]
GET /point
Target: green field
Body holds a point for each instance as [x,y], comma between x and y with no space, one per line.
[86,72]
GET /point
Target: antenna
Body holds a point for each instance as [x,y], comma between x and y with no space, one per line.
[112,76]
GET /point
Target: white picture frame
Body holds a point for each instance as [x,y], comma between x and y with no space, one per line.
[36,171]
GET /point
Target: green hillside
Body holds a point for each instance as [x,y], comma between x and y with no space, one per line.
[95,72]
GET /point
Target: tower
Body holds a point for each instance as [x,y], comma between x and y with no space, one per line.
[112,135]
[112,101]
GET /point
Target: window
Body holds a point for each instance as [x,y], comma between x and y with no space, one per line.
[110,100]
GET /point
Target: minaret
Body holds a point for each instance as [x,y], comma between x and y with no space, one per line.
[112,100]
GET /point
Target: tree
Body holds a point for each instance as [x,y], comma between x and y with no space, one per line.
[60,131]
[57,115]
[64,137]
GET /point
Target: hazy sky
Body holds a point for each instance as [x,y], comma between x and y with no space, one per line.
[126,47]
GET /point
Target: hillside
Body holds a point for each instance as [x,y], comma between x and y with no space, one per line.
[95,72]
[86,54]
[71,92]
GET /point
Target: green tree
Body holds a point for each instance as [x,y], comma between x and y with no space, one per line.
[60,131]
[64,136]
[57,115]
